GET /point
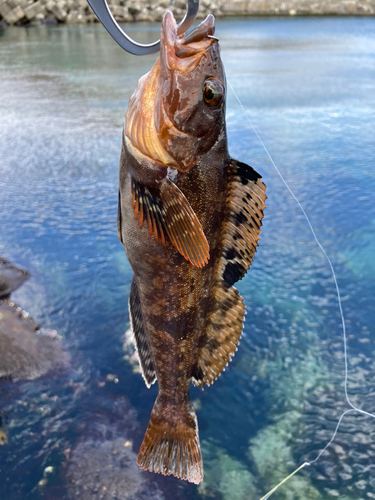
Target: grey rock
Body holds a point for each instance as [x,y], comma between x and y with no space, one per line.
[158,13]
[75,17]
[164,4]
[25,351]
[102,464]
[4,9]
[14,15]
[296,7]
[56,8]
[13,4]
[121,13]
[11,277]
[107,470]
[77,11]
[33,9]
[134,9]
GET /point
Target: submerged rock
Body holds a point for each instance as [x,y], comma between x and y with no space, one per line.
[3,437]
[102,465]
[346,469]
[26,352]
[11,277]
[108,470]
[225,476]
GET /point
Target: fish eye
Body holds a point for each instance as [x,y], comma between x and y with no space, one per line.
[213,92]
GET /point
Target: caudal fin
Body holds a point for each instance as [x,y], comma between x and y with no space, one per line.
[171,445]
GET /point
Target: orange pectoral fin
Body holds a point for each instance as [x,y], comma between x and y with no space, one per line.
[170,216]
[183,227]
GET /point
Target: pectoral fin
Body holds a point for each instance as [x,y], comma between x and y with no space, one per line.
[171,218]
[239,239]
[245,206]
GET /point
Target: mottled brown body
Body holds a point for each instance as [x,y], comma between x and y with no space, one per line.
[175,295]
[189,218]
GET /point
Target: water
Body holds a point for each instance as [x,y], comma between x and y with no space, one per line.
[309,88]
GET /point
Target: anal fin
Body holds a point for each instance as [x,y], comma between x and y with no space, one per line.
[138,329]
[239,240]
[170,217]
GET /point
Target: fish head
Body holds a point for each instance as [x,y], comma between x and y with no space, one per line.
[177,112]
[190,104]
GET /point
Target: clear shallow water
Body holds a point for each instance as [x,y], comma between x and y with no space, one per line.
[309,87]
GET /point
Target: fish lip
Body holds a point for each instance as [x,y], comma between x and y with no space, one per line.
[169,28]
[204,31]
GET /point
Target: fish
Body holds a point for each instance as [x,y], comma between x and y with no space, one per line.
[189,217]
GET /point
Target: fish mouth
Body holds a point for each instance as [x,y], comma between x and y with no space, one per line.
[193,44]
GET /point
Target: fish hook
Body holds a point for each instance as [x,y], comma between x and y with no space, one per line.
[101,9]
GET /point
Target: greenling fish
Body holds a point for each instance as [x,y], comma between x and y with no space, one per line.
[189,218]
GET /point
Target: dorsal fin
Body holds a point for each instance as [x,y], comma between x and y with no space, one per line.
[238,241]
[170,217]
[141,344]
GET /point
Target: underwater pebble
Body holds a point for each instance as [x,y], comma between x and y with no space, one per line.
[3,437]
[333,493]
[345,477]
[112,378]
[361,485]
[48,470]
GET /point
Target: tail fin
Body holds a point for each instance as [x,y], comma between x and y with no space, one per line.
[171,444]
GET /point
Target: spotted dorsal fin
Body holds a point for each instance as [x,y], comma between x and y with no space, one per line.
[138,329]
[170,218]
[239,239]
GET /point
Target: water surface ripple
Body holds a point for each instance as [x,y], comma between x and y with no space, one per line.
[309,87]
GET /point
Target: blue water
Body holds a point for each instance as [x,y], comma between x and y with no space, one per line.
[308,85]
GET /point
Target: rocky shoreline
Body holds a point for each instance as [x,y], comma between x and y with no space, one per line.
[26,12]
[26,350]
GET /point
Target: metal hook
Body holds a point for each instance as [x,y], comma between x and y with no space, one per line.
[104,15]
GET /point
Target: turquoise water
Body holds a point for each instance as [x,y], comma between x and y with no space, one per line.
[308,86]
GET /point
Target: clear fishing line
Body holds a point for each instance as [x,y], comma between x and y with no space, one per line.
[353,407]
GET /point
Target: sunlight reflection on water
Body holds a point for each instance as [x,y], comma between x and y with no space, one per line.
[308,85]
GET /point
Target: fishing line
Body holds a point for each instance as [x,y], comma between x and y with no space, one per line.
[353,407]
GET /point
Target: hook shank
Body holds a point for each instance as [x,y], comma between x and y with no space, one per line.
[102,12]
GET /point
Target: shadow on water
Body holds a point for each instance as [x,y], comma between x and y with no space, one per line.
[308,85]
